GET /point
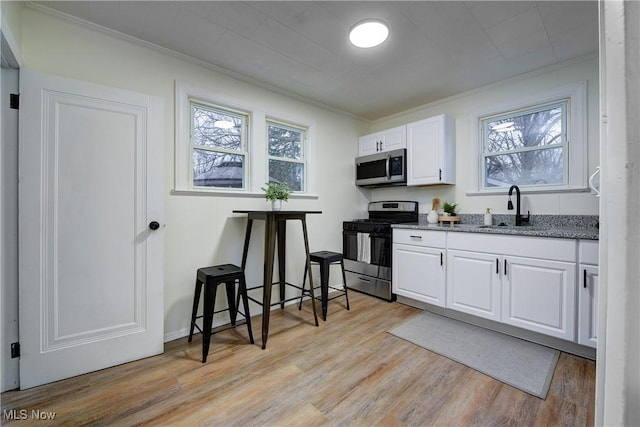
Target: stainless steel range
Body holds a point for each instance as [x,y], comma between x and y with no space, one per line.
[366,246]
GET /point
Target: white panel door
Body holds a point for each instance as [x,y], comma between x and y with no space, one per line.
[90,183]
[473,283]
[540,295]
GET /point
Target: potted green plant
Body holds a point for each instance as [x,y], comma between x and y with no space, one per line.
[450,208]
[276,192]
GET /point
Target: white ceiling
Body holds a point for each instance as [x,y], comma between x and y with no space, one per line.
[435,48]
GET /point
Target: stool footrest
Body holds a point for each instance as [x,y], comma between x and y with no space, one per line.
[282,301]
[259,302]
[226,327]
[215,329]
[307,294]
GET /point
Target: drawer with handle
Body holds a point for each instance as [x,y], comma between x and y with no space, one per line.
[419,237]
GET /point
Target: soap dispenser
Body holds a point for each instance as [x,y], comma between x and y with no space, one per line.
[488,220]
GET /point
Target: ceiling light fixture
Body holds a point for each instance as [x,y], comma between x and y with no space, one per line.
[368,33]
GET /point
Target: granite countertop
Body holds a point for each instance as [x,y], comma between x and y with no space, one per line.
[558,226]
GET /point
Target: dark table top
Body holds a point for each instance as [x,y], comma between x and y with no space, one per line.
[272,212]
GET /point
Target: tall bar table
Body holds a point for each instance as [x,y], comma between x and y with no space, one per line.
[276,226]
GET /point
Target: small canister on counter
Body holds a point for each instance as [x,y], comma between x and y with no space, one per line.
[488,219]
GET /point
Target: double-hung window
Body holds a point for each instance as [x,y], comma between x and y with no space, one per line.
[540,144]
[527,147]
[232,145]
[286,154]
[219,149]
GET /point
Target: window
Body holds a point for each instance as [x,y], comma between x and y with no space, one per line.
[527,147]
[286,154]
[539,144]
[230,145]
[218,144]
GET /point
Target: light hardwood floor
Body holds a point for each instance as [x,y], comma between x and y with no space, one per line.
[347,371]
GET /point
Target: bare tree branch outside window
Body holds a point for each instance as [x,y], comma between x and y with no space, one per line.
[526,148]
[286,155]
[219,153]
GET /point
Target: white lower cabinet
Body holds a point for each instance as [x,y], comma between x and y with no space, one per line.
[588,288]
[539,295]
[588,305]
[473,283]
[527,282]
[534,294]
[418,265]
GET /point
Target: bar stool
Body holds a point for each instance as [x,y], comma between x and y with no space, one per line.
[325,259]
[212,277]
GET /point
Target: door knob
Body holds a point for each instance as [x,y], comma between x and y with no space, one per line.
[154,225]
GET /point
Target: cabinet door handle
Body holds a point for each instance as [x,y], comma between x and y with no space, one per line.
[584,278]
[497,266]
[440,174]
[377,146]
[416,237]
[441,259]
[505,267]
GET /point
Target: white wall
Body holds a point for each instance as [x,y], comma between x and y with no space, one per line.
[12,18]
[487,99]
[201,230]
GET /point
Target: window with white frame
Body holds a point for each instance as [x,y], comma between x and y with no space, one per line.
[527,147]
[286,156]
[231,145]
[219,149]
[539,144]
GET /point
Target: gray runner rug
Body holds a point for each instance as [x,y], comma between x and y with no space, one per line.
[519,363]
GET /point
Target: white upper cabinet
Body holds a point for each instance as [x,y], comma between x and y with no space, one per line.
[386,140]
[431,151]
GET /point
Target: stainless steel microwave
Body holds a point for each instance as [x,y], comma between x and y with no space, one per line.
[382,169]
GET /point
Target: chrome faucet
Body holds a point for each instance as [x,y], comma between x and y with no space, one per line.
[519,218]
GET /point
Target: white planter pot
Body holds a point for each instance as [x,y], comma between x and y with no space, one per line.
[276,205]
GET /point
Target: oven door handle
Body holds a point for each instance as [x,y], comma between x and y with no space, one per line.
[376,234]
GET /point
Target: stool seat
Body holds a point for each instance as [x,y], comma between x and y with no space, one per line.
[325,259]
[219,272]
[211,278]
[326,256]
